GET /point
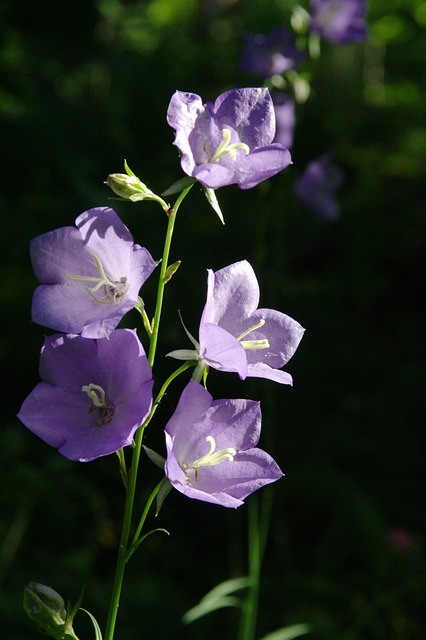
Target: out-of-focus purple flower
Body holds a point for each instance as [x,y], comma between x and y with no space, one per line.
[93,396]
[211,448]
[285,118]
[228,141]
[90,274]
[271,54]
[339,21]
[237,336]
[317,185]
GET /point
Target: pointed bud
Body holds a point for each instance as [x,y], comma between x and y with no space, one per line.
[128,186]
[171,270]
[47,610]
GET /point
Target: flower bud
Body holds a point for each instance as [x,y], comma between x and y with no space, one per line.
[126,186]
[47,610]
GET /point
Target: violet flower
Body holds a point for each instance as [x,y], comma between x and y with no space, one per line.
[317,185]
[211,448]
[93,396]
[90,275]
[271,54]
[339,21]
[235,335]
[285,118]
[228,141]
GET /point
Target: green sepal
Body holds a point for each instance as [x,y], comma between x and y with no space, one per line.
[179,186]
[98,634]
[154,457]
[171,270]
[213,202]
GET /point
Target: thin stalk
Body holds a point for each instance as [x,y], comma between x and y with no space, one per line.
[258,527]
[133,473]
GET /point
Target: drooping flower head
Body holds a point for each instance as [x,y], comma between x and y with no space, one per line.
[235,335]
[211,448]
[93,396]
[90,274]
[271,54]
[317,185]
[339,21]
[229,141]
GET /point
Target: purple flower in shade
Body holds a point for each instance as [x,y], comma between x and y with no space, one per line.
[93,396]
[285,118]
[272,54]
[228,141]
[211,448]
[339,21]
[237,336]
[317,185]
[90,274]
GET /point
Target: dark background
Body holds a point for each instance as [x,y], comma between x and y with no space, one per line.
[85,84]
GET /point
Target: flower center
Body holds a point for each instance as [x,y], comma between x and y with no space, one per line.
[114,290]
[102,408]
[211,459]
[225,147]
[253,344]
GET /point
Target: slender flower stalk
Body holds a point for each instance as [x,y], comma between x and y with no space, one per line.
[133,473]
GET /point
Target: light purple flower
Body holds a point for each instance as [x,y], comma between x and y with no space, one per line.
[93,396]
[317,185]
[90,274]
[235,335]
[339,21]
[285,118]
[271,54]
[211,448]
[228,141]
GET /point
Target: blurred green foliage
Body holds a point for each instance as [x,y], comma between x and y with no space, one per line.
[85,84]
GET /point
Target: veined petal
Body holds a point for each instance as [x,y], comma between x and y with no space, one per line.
[221,350]
[262,164]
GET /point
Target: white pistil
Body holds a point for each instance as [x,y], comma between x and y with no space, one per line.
[224,148]
[115,291]
[211,458]
[253,344]
[96,394]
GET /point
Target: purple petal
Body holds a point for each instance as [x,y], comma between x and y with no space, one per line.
[220,350]
[262,164]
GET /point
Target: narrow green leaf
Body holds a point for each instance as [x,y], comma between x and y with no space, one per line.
[154,457]
[179,186]
[98,634]
[217,598]
[288,633]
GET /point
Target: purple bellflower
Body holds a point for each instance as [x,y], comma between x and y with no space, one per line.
[285,118]
[272,54]
[90,274]
[235,335]
[93,396]
[229,141]
[211,448]
[317,185]
[339,21]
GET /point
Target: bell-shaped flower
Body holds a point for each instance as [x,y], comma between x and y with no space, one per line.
[235,335]
[90,274]
[271,54]
[339,21]
[317,185]
[229,141]
[211,448]
[93,396]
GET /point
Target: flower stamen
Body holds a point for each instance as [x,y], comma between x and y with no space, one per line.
[253,344]
[210,459]
[115,290]
[224,148]
[102,407]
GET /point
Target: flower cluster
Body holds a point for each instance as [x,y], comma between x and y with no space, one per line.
[96,381]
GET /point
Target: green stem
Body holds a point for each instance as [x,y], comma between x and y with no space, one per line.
[133,473]
[258,527]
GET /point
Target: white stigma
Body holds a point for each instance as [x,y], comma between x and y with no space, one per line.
[211,458]
[115,291]
[253,344]
[224,148]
